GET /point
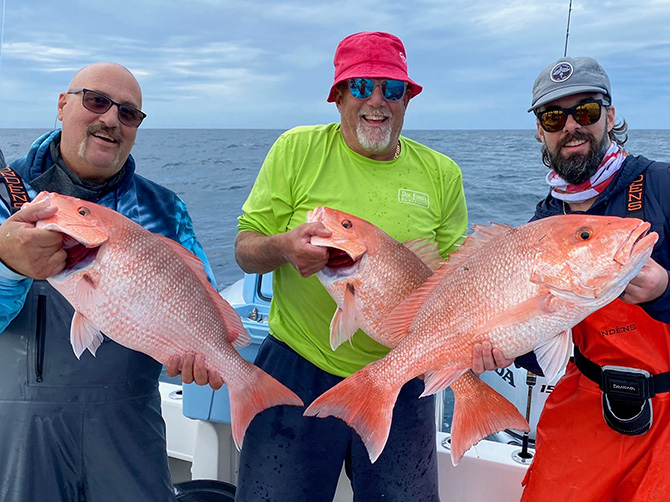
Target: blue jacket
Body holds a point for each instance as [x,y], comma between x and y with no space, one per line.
[89,429]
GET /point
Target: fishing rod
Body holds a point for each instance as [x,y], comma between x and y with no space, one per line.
[567,30]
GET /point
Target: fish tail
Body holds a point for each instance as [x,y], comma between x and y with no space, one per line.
[479,411]
[364,405]
[261,391]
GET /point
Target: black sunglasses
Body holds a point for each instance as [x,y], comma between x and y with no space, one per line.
[587,113]
[99,103]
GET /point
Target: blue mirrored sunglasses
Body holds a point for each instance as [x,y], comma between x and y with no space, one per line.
[362,88]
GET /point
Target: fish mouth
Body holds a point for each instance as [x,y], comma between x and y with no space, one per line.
[337,258]
[78,255]
[639,242]
[631,256]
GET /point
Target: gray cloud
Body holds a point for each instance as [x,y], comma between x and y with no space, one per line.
[267,64]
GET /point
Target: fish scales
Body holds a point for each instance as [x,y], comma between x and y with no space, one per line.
[148,293]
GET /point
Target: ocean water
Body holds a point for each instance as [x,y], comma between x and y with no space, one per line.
[214,169]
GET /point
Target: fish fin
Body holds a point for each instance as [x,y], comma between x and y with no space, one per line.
[364,404]
[189,258]
[480,236]
[236,333]
[346,320]
[256,393]
[397,323]
[84,335]
[337,337]
[553,355]
[479,411]
[86,291]
[427,251]
[437,380]
[518,314]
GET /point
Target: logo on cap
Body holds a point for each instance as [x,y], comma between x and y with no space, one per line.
[560,72]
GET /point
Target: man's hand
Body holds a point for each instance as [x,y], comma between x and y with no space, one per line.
[486,358]
[31,251]
[299,251]
[648,285]
[257,253]
[193,369]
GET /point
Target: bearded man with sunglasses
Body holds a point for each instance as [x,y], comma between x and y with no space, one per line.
[603,434]
[362,166]
[88,429]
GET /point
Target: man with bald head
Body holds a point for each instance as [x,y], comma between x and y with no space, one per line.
[90,429]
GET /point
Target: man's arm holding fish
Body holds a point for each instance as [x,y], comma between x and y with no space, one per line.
[259,253]
[26,253]
[31,251]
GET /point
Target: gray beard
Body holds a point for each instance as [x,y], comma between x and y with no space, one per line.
[578,168]
[374,142]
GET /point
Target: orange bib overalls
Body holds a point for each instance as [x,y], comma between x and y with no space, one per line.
[579,457]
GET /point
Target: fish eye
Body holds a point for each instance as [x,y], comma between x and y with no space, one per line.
[84,211]
[584,234]
[347,224]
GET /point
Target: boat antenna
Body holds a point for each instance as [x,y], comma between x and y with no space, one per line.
[2,33]
[567,31]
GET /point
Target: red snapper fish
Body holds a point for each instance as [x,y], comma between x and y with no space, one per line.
[150,294]
[521,289]
[368,274]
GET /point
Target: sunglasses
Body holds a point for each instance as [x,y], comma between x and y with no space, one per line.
[586,113]
[362,88]
[99,103]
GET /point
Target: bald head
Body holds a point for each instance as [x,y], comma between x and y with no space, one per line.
[105,71]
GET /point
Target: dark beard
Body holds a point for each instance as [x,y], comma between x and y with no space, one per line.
[578,168]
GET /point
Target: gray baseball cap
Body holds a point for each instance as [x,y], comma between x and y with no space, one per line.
[569,76]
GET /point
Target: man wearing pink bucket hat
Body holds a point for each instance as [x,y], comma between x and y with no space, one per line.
[362,166]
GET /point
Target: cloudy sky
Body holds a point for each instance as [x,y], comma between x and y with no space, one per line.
[268,63]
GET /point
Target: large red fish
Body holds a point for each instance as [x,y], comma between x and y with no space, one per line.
[368,274]
[520,289]
[148,293]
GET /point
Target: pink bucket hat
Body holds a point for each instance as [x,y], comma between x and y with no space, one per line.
[371,55]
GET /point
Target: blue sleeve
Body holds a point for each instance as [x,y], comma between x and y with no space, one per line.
[187,238]
[13,287]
